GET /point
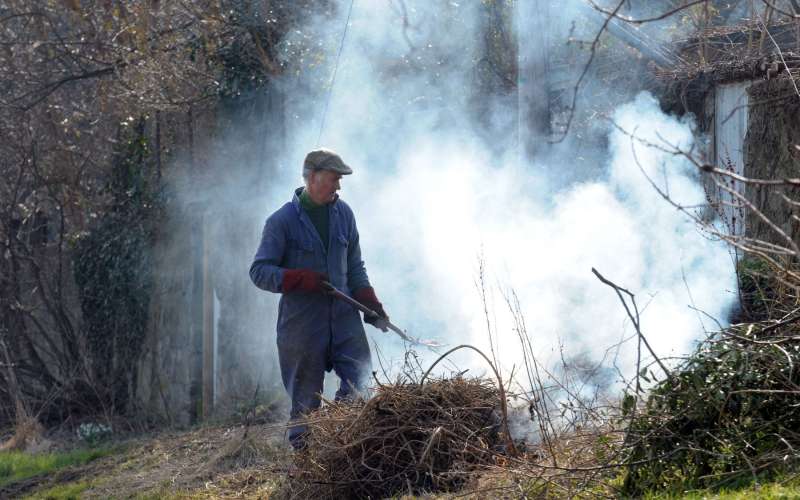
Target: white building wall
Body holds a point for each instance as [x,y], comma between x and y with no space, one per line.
[730,128]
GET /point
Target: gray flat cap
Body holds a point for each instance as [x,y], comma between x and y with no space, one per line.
[325,159]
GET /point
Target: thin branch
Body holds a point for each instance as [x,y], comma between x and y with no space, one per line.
[645,19]
[783,60]
[576,88]
[634,316]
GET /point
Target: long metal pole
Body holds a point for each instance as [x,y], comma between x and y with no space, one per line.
[366,310]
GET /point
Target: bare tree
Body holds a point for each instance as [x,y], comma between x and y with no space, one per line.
[79,81]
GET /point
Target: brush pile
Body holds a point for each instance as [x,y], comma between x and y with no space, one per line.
[409,438]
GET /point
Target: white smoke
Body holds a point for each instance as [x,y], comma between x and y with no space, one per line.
[425,226]
[431,199]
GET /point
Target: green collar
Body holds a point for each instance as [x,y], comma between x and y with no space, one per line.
[306,201]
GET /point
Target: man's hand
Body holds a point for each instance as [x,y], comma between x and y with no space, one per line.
[303,280]
[367,297]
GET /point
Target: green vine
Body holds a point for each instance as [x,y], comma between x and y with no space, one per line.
[113,271]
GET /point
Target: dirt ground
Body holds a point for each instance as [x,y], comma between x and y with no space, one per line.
[243,462]
[211,462]
[234,460]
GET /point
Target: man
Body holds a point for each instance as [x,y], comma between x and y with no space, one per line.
[307,243]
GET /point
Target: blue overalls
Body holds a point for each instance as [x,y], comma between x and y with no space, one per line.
[315,332]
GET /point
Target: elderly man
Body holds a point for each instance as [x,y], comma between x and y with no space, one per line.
[309,241]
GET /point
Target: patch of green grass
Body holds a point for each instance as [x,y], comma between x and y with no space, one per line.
[66,491]
[776,490]
[16,465]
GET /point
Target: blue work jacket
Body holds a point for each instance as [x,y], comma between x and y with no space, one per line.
[290,241]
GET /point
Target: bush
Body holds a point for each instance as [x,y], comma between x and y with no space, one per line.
[730,413]
[762,292]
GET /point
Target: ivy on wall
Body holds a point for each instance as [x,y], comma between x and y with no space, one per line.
[113,271]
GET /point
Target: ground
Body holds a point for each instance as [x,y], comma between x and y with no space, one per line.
[250,462]
[208,462]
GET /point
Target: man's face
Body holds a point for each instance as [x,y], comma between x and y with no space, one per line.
[322,186]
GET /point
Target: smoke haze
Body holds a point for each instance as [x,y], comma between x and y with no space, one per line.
[434,195]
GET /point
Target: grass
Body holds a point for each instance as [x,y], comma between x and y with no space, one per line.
[67,491]
[775,490]
[16,466]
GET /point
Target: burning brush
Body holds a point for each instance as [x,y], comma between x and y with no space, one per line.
[409,438]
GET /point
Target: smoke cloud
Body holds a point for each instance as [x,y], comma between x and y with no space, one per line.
[434,197]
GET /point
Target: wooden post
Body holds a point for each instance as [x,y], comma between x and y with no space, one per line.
[208,324]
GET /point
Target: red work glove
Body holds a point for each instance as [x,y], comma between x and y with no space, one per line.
[367,297]
[302,280]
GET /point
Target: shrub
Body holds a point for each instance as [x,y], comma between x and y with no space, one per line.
[729,413]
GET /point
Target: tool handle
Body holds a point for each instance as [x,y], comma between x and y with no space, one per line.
[350,300]
[361,307]
[366,310]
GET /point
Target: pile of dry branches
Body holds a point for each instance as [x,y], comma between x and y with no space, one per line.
[408,438]
[734,65]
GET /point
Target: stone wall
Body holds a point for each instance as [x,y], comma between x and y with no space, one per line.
[771,152]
